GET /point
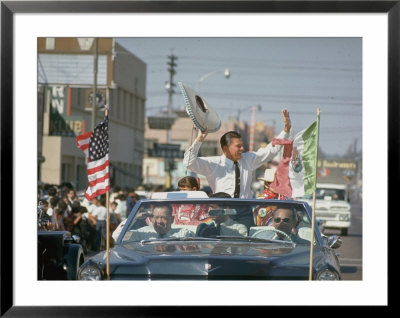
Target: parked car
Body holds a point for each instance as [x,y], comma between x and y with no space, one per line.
[59,254]
[190,250]
[332,206]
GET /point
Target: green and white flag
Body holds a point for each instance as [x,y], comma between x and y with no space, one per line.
[303,163]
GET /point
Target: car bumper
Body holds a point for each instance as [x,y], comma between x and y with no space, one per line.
[334,220]
[336,224]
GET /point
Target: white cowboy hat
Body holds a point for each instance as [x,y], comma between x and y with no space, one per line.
[201,113]
[269,175]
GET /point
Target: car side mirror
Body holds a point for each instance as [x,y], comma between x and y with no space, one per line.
[320,225]
[334,241]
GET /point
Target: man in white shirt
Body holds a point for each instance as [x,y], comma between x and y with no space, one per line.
[161,226]
[121,208]
[220,170]
[222,225]
[100,213]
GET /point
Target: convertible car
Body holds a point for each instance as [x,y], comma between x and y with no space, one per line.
[189,236]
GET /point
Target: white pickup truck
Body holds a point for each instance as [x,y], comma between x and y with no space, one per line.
[332,206]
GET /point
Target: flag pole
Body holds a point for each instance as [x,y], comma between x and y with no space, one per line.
[108,236]
[313,203]
[312,237]
[107,220]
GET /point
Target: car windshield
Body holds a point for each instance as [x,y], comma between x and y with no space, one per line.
[327,194]
[330,194]
[218,219]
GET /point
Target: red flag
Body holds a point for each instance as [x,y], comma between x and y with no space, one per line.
[95,145]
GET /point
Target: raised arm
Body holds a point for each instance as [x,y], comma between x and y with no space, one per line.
[201,135]
[267,153]
[286,121]
[192,161]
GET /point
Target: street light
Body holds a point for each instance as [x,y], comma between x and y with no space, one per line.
[226,72]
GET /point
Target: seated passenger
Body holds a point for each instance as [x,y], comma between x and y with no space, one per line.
[221,225]
[285,220]
[191,214]
[161,221]
[141,219]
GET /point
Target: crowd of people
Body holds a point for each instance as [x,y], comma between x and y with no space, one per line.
[62,208]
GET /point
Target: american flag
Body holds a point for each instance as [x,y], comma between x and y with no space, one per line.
[95,145]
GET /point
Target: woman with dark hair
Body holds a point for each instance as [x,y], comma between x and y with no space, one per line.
[189,213]
[188,183]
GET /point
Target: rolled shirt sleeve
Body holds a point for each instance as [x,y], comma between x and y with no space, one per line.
[201,165]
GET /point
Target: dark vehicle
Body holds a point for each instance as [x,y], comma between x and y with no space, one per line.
[59,253]
[208,240]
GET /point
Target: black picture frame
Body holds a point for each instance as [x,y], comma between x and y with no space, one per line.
[9,8]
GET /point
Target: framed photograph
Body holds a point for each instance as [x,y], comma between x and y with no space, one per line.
[375,23]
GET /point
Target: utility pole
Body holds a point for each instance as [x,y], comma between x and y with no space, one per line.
[94,99]
[253,120]
[170,87]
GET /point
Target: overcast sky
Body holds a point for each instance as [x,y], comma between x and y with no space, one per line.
[299,74]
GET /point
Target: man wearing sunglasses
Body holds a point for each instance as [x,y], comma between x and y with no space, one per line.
[285,220]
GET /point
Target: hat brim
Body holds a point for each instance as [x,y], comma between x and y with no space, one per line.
[265,180]
[201,113]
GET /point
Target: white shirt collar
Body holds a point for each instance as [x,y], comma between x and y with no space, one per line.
[229,162]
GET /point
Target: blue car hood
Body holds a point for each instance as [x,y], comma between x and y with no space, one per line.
[210,260]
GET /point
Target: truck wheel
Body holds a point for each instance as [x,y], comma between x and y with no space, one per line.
[344,231]
[74,261]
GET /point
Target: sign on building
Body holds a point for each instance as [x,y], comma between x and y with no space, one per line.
[166,151]
[337,171]
[100,97]
[160,122]
[62,123]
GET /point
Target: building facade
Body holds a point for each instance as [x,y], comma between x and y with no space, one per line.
[66,86]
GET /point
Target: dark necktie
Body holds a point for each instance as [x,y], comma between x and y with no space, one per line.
[237,180]
[218,229]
